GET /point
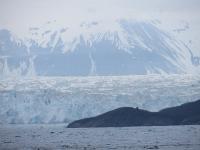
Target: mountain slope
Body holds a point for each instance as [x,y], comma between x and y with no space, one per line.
[185,113]
[95,49]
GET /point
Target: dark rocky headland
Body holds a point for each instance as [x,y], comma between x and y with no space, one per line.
[185,114]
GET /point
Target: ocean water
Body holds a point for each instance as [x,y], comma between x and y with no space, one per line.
[58,137]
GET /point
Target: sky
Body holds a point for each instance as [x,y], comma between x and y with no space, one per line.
[25,12]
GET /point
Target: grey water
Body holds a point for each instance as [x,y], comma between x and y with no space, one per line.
[58,137]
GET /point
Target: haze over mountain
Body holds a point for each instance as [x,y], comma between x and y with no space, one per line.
[93,38]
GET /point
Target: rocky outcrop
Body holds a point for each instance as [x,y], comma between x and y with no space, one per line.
[185,114]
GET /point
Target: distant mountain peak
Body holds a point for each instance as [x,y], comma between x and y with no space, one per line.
[136,47]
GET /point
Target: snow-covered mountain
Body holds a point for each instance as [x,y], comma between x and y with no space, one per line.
[122,47]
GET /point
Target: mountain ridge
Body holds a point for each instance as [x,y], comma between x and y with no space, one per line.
[135,47]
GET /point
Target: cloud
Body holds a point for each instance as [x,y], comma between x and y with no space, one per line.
[20,14]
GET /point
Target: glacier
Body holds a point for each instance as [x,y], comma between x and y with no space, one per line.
[34,100]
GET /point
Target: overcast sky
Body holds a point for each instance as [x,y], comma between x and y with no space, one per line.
[23,13]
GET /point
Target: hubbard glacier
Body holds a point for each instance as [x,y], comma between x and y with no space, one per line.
[65,99]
